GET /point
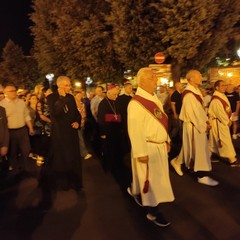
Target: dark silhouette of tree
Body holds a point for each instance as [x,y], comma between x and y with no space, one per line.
[100,39]
[189,33]
[71,38]
[17,68]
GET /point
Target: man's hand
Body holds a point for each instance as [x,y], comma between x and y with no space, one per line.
[176,117]
[208,126]
[168,147]
[3,151]
[75,125]
[230,123]
[143,159]
[31,131]
[61,92]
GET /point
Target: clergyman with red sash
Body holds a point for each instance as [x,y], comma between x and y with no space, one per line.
[195,152]
[219,112]
[147,128]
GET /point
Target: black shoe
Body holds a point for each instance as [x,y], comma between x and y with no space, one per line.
[136,197]
[159,220]
[235,164]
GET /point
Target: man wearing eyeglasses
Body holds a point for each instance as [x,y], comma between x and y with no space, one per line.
[18,118]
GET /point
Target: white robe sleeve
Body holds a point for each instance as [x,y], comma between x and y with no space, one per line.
[193,112]
[216,110]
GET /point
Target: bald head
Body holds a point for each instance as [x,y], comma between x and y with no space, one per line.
[194,77]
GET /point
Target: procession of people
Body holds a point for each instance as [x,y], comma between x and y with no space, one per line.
[120,124]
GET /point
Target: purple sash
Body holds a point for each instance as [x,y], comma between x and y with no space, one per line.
[154,110]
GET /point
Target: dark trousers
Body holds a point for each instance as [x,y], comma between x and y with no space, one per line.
[19,148]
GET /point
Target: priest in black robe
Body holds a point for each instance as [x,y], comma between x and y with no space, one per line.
[62,170]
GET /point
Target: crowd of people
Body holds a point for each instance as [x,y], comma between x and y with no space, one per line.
[184,125]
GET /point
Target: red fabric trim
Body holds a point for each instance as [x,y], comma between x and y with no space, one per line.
[198,97]
[225,105]
[153,109]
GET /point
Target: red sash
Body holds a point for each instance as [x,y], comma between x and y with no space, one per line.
[196,95]
[226,107]
[154,110]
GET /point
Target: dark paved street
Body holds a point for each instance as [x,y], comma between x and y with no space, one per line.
[104,211]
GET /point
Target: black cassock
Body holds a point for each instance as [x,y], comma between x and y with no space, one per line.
[63,168]
[109,120]
[123,101]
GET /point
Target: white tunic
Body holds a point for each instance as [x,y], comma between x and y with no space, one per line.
[195,142]
[220,129]
[148,138]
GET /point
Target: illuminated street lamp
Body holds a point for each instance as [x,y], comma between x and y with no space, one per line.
[238,52]
[78,84]
[50,77]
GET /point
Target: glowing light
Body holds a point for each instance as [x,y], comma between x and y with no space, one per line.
[89,81]
[229,74]
[238,52]
[78,84]
[50,77]
[164,81]
[171,84]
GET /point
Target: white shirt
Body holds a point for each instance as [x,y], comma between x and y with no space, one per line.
[16,111]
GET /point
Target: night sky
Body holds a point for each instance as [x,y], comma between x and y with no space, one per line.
[14,23]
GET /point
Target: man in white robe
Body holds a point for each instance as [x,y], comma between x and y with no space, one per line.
[195,151]
[150,146]
[219,114]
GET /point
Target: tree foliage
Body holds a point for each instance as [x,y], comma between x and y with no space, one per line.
[103,38]
[71,38]
[135,36]
[17,68]
[190,33]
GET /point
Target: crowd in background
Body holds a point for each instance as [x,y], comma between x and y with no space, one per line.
[102,127]
[91,131]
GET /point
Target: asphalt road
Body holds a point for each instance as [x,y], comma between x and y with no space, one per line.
[104,210]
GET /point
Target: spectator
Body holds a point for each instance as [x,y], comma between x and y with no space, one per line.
[94,109]
[82,110]
[42,125]
[162,94]
[4,135]
[96,100]
[206,98]
[176,105]
[90,121]
[18,117]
